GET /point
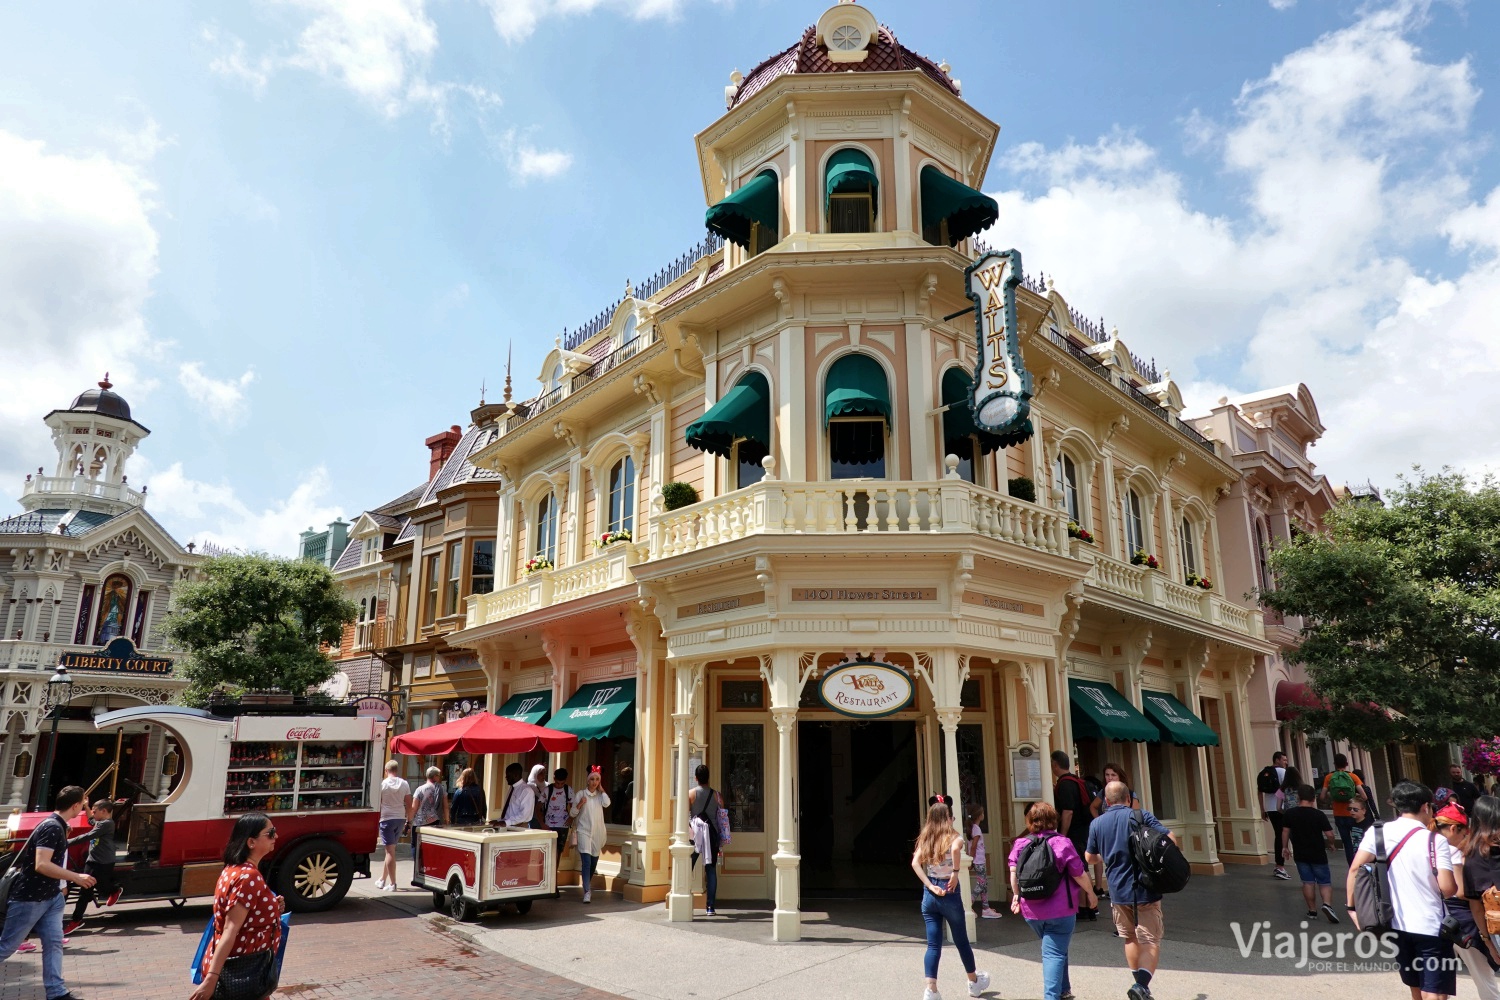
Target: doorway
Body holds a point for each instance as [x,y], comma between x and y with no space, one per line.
[860,808]
[82,759]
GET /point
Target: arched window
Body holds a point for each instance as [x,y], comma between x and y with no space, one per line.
[555,379]
[856,411]
[627,332]
[850,187]
[1067,481]
[1262,547]
[362,610]
[1135,524]
[1189,549]
[546,529]
[622,496]
[750,216]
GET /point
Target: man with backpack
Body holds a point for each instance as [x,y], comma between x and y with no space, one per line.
[1272,783]
[36,896]
[1074,809]
[1341,787]
[1114,840]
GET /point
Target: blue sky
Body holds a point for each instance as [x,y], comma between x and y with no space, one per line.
[299,233]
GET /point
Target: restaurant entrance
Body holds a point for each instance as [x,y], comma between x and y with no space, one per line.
[860,808]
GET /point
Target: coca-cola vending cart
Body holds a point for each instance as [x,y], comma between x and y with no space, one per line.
[317,776]
[472,869]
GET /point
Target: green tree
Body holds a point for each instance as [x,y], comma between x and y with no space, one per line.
[1402,609]
[255,623]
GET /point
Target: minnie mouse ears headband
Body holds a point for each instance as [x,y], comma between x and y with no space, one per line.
[594,769]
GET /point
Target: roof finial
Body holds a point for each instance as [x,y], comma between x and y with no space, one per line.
[508,350]
[629,289]
[105,383]
[481,391]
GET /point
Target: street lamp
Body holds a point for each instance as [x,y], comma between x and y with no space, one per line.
[58,686]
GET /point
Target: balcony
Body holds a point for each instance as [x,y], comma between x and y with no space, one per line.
[28,654]
[1153,587]
[79,486]
[389,633]
[544,588]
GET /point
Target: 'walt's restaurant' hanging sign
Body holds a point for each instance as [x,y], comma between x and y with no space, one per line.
[866,689]
[1001,402]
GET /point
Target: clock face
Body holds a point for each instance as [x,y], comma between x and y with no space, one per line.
[846,37]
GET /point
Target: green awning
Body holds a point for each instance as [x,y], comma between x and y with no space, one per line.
[1177,724]
[528,706]
[967,211]
[856,387]
[757,201]
[1101,712]
[849,170]
[744,412]
[598,710]
[958,419]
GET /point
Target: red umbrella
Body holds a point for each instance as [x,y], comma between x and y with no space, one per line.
[482,733]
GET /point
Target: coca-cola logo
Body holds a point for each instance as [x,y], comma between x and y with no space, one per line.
[306,733]
[510,882]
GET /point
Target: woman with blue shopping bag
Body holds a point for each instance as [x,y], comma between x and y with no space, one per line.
[239,957]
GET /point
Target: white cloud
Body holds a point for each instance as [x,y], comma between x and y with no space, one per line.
[208,512]
[526,162]
[223,400]
[1353,152]
[515,20]
[1282,4]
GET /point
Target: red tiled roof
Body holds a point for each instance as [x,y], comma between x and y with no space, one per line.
[886,55]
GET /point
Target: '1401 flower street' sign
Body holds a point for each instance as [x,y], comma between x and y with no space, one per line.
[1001,402]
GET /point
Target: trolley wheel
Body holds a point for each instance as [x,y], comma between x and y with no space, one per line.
[178,904]
[523,906]
[440,901]
[315,875]
[458,907]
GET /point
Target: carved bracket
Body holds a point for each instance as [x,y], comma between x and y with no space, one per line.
[645,387]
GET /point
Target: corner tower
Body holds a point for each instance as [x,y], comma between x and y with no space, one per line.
[94,436]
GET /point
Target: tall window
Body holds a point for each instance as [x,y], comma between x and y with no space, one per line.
[430,586]
[455,577]
[747,468]
[1135,525]
[546,528]
[1067,481]
[1261,548]
[856,448]
[850,188]
[482,568]
[622,495]
[1189,549]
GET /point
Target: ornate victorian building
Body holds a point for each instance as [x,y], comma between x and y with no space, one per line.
[84,567]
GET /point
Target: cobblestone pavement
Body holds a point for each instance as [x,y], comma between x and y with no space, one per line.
[366,947]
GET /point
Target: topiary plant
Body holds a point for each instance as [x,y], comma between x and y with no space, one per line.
[674,495]
[1023,488]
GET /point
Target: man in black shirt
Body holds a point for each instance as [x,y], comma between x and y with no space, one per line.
[36,896]
[1074,804]
[1307,830]
[1465,791]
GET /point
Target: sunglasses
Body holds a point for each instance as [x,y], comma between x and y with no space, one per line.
[270,832]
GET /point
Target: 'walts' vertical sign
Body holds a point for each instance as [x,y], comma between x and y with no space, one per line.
[1002,386]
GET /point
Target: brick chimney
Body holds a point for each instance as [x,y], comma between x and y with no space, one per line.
[441,446]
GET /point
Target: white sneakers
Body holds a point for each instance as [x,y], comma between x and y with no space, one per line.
[928,994]
[380,883]
[588,896]
[980,984]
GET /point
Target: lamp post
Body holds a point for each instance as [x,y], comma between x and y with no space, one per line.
[58,686]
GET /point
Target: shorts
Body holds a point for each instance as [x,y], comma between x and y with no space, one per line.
[1314,873]
[1427,963]
[1139,924]
[390,831]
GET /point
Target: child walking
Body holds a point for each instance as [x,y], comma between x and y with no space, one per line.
[100,863]
[936,863]
[981,870]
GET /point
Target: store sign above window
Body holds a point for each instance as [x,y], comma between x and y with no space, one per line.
[866,689]
[1002,386]
[119,657]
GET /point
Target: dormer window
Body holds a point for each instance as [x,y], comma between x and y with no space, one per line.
[850,187]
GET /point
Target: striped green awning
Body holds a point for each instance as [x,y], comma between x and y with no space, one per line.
[856,387]
[1101,712]
[744,412]
[758,201]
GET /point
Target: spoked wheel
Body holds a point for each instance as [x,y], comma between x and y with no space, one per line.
[458,907]
[314,876]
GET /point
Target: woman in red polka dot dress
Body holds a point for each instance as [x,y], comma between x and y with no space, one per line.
[247,915]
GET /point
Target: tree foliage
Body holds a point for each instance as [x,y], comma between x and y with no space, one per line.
[257,622]
[1402,609]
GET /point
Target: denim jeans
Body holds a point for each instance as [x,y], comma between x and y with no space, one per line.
[46,917]
[589,862]
[936,911]
[710,881]
[1345,826]
[1056,934]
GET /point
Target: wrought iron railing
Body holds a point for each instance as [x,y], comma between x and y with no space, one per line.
[624,352]
[574,339]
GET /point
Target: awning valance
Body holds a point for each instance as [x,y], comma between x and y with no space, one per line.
[757,201]
[1292,697]
[528,706]
[958,418]
[856,387]
[744,412]
[849,170]
[1101,712]
[1177,724]
[599,710]
[967,211]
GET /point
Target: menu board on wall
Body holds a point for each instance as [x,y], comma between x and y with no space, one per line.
[1025,774]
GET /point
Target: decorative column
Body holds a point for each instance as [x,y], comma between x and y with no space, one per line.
[786,919]
[1204,825]
[948,718]
[680,898]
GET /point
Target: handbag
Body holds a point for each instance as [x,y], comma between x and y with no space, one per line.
[1491,900]
[1373,908]
[248,977]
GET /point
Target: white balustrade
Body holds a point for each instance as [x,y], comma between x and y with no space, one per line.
[82,486]
[1150,586]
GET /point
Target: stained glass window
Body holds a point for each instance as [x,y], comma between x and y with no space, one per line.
[742,760]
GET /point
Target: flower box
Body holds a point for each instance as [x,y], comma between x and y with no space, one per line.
[1144,558]
[1082,534]
[1194,580]
[611,537]
[536,564]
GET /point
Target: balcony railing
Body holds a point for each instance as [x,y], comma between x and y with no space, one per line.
[389,633]
[855,507]
[1152,587]
[544,588]
[624,352]
[80,486]
[28,654]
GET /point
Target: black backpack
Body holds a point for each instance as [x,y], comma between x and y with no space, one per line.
[1159,864]
[1037,876]
[1266,781]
